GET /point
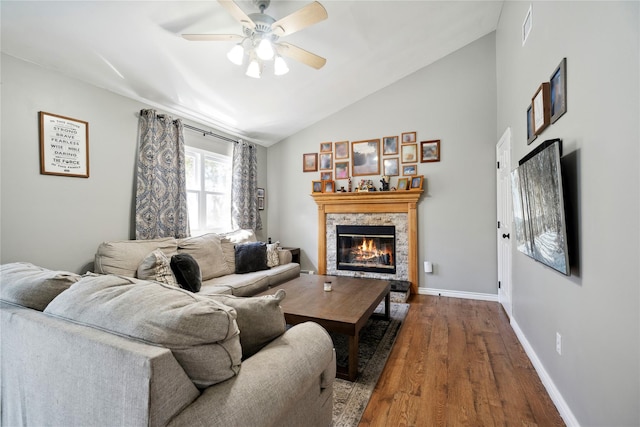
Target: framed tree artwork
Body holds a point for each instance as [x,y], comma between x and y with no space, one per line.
[365,156]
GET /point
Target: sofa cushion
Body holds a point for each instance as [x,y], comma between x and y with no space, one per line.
[260,319]
[28,285]
[187,272]
[207,251]
[251,257]
[241,285]
[157,266]
[240,236]
[201,333]
[123,257]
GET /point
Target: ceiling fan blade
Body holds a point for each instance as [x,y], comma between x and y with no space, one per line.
[237,13]
[300,55]
[212,37]
[301,19]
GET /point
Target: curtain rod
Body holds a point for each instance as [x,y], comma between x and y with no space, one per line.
[204,132]
[209,133]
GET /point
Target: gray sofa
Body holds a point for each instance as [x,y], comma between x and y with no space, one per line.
[98,350]
[214,253]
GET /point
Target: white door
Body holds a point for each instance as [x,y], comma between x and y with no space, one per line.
[505,216]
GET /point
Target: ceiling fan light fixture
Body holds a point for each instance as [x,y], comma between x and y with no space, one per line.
[280,67]
[265,50]
[236,54]
[254,69]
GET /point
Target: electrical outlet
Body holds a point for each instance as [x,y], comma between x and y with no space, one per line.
[559,343]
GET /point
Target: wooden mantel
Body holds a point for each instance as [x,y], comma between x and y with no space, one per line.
[372,202]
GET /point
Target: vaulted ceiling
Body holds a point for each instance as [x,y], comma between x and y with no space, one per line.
[135,48]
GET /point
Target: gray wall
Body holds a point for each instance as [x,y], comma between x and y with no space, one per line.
[596,308]
[452,100]
[58,222]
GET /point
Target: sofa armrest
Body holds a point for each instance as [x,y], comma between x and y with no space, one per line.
[270,382]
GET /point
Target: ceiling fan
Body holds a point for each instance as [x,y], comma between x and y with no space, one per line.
[260,41]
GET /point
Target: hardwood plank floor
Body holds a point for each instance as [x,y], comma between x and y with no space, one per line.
[457,362]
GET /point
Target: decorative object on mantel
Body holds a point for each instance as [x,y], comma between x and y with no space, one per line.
[558,91]
[430,151]
[416,182]
[385,183]
[541,109]
[310,162]
[328,186]
[403,183]
[64,146]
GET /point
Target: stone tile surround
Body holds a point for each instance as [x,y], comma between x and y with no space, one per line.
[399,220]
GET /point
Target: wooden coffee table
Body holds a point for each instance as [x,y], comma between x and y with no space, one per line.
[344,310]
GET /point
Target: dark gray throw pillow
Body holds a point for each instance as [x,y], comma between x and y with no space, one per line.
[251,257]
[187,272]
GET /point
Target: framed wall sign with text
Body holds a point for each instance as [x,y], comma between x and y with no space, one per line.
[64,146]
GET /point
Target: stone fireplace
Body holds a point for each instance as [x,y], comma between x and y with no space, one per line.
[395,209]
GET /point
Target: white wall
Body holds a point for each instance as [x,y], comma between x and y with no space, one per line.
[452,100]
[58,222]
[596,308]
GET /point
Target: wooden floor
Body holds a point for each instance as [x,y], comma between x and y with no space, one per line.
[457,362]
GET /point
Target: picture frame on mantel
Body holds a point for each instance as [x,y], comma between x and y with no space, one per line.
[64,146]
[541,108]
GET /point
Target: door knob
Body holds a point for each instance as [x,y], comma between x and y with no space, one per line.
[505,236]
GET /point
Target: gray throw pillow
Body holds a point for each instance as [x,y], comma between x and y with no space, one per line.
[260,319]
[28,285]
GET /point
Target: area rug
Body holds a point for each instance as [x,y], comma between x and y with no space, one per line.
[376,340]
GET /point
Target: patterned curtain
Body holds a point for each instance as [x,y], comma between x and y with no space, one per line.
[244,185]
[161,196]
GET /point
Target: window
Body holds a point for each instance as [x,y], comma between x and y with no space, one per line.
[208,178]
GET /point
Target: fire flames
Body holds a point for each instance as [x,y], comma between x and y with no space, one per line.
[368,252]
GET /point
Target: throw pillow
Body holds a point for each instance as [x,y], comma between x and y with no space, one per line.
[187,272]
[157,267]
[260,319]
[272,254]
[284,256]
[28,285]
[251,257]
[207,251]
[201,333]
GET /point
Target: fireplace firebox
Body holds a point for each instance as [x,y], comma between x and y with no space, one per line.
[370,248]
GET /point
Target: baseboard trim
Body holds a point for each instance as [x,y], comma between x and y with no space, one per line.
[457,294]
[564,410]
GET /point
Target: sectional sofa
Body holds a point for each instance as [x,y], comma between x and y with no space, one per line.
[112,348]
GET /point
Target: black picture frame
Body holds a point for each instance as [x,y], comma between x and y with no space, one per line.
[558,90]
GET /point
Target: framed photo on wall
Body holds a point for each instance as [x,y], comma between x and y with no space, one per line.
[409,153]
[389,145]
[558,90]
[326,161]
[342,170]
[326,147]
[310,162]
[391,167]
[365,156]
[531,135]
[409,137]
[408,170]
[430,151]
[64,146]
[541,109]
[342,150]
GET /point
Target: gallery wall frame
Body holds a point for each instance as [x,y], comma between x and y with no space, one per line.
[310,162]
[390,145]
[531,135]
[558,91]
[430,151]
[365,157]
[409,137]
[342,149]
[391,167]
[541,108]
[409,153]
[326,161]
[326,147]
[342,170]
[64,145]
[409,170]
